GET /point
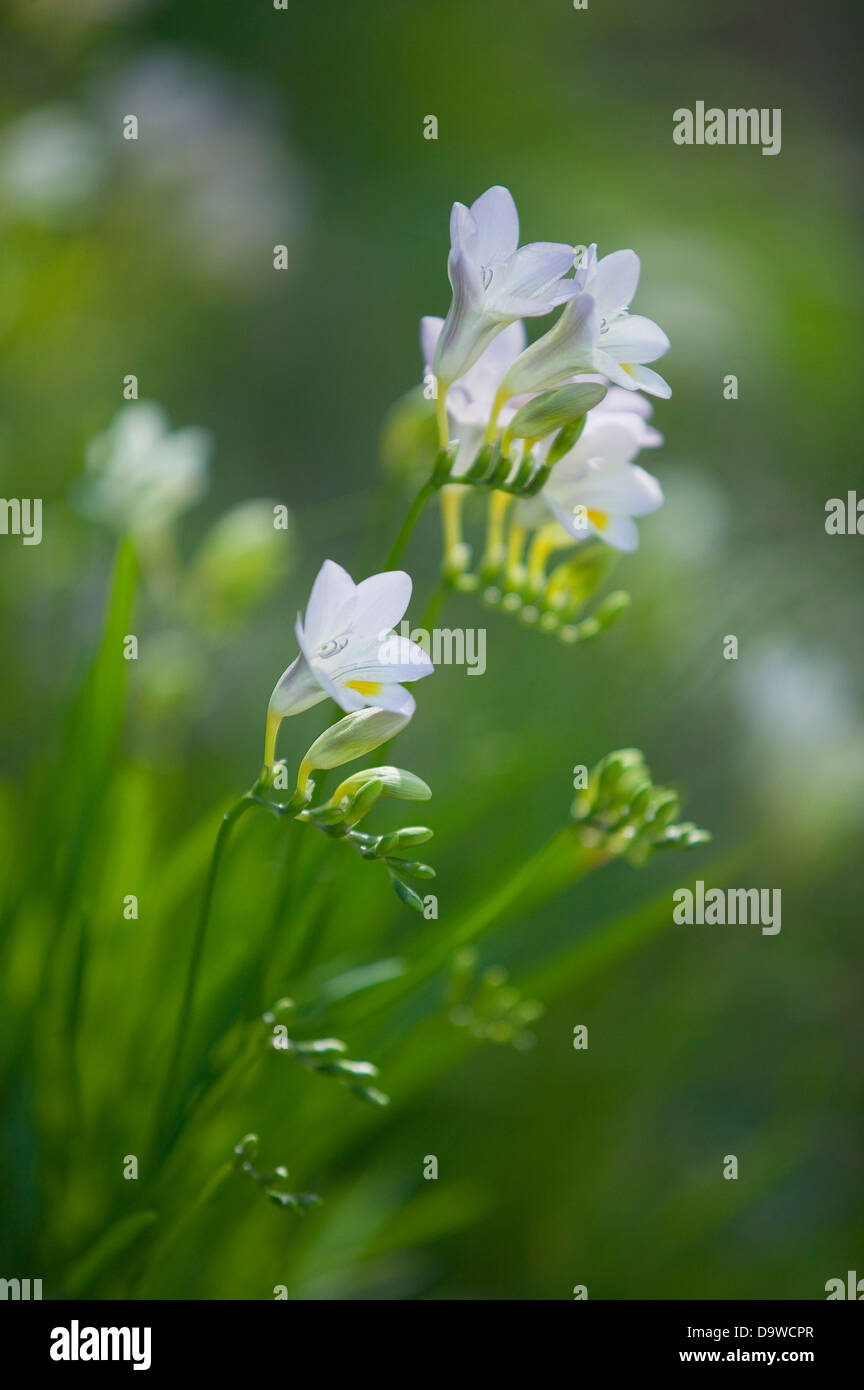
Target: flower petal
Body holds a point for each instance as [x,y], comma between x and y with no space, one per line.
[463,228]
[613,283]
[493,362]
[560,353]
[617,399]
[466,331]
[620,489]
[652,382]
[397,699]
[297,689]
[381,601]
[633,338]
[622,532]
[613,439]
[534,268]
[330,606]
[497,223]
[399,659]
[430,332]
[613,370]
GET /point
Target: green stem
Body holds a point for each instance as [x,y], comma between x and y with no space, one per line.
[397,548]
[436,480]
[173,1073]
[437,599]
[207,1193]
[285,893]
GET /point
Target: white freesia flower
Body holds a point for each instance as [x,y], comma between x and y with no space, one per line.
[471,398]
[348,649]
[596,489]
[596,333]
[494,280]
[141,475]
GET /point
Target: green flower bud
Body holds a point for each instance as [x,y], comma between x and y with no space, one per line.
[553,410]
[408,437]
[395,781]
[317,1046]
[406,892]
[415,868]
[612,607]
[240,560]
[361,802]
[372,1094]
[412,835]
[353,737]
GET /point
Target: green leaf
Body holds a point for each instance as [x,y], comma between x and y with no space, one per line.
[109,1247]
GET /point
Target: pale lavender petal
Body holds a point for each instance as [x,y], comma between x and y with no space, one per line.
[330,605]
[497,223]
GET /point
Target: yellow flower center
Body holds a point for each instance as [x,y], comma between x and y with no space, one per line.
[598,519]
[365,687]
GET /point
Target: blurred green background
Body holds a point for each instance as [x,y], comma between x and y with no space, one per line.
[305,128]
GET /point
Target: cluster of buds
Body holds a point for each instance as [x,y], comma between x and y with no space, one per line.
[324,1056]
[487,1004]
[339,816]
[621,812]
[271,1184]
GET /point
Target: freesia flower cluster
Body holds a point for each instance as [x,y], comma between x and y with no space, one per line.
[550,432]
[542,412]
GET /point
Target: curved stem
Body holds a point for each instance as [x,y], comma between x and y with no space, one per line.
[435,603]
[176,1059]
[395,553]
[270,735]
[184,1217]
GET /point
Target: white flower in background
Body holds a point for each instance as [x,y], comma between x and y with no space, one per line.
[494,280]
[51,161]
[212,175]
[348,649]
[471,398]
[596,333]
[140,474]
[793,697]
[596,489]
